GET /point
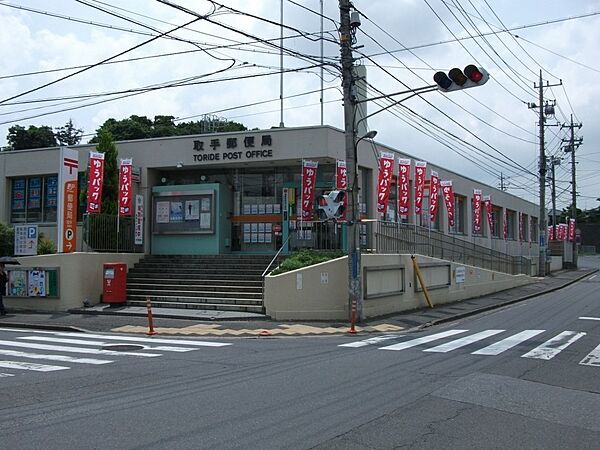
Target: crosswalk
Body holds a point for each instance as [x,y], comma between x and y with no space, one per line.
[53,351]
[550,348]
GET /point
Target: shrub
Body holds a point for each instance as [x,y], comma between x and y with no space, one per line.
[305,258]
[7,240]
[45,246]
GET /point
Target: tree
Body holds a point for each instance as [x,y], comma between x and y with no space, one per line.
[7,239]
[110,182]
[20,138]
[68,134]
[140,127]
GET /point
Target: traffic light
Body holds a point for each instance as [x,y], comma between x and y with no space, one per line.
[458,79]
[331,205]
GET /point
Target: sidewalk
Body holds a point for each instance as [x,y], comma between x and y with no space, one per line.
[173,321]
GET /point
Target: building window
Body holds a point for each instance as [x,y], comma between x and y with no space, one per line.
[511,224]
[34,199]
[497,221]
[460,213]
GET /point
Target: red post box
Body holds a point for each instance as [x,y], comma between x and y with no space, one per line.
[114,283]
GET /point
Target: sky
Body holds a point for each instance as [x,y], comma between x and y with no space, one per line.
[60,62]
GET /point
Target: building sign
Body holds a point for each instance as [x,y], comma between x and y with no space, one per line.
[125,194]
[384,182]
[233,148]
[96,177]
[26,240]
[67,200]
[448,194]
[139,220]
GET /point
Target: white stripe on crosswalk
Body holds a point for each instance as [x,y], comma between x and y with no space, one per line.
[554,346]
[371,341]
[62,358]
[508,343]
[61,348]
[30,366]
[592,358]
[422,340]
[148,340]
[458,343]
[102,343]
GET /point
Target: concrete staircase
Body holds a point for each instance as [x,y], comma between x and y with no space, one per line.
[221,282]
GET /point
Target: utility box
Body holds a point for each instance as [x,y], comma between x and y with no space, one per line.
[114,282]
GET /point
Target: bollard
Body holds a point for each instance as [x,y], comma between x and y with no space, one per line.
[150,321]
[352,329]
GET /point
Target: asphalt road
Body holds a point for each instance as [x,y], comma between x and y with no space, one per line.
[526,376]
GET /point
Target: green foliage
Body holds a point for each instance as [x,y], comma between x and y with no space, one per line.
[306,258]
[141,127]
[7,240]
[110,184]
[68,134]
[45,246]
[20,138]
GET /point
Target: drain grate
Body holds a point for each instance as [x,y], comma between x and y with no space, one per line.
[123,347]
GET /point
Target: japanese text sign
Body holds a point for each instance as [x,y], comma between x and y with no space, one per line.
[309,179]
[96,177]
[403,186]
[384,181]
[420,169]
[448,194]
[434,195]
[125,194]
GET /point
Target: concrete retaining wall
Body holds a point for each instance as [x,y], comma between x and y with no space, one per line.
[320,292]
[80,278]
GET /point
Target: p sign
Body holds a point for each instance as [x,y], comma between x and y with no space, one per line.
[26,240]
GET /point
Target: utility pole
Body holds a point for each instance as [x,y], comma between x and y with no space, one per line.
[554,161]
[573,144]
[542,178]
[502,186]
[353,242]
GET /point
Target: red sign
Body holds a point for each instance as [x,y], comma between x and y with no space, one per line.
[309,178]
[403,186]
[477,211]
[70,216]
[504,225]
[561,232]
[125,194]
[521,236]
[572,229]
[420,169]
[550,233]
[384,182]
[448,194]
[487,200]
[341,182]
[434,194]
[96,176]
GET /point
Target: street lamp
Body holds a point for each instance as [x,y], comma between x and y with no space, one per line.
[353,239]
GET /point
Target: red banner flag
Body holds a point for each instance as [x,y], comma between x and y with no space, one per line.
[341,183]
[572,230]
[521,237]
[562,231]
[529,228]
[434,195]
[309,179]
[504,225]
[550,233]
[448,194]
[96,177]
[487,200]
[477,211]
[384,182]
[420,169]
[403,187]
[125,188]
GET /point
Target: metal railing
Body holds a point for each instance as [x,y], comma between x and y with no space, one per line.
[316,235]
[100,234]
[392,237]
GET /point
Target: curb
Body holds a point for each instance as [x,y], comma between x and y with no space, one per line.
[167,316]
[41,326]
[500,305]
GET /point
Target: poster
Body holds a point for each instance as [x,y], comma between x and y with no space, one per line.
[176,212]
[205,221]
[17,283]
[206,204]
[37,283]
[162,212]
[192,209]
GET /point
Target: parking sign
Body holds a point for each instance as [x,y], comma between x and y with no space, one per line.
[26,240]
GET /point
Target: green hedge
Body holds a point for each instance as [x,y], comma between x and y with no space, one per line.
[306,258]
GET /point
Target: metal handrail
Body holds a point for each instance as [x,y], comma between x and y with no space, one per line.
[275,257]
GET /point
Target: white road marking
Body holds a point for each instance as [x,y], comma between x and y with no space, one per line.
[30,366]
[148,340]
[102,343]
[63,358]
[592,277]
[509,342]
[5,375]
[592,359]
[461,342]
[371,341]
[60,348]
[589,318]
[422,340]
[554,346]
